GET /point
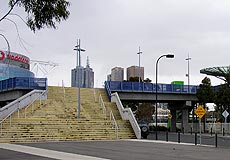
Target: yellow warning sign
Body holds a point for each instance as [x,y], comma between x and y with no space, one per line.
[169,116]
[200,111]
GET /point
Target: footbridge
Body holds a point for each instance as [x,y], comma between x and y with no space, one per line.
[179,97]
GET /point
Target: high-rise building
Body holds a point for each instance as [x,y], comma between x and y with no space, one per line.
[74,76]
[117,74]
[135,71]
[86,78]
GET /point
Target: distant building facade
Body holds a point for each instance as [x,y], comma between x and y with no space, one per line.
[135,71]
[86,76]
[117,74]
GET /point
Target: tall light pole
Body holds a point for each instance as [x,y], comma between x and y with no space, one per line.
[188,59]
[8,47]
[8,44]
[139,74]
[167,56]
[79,49]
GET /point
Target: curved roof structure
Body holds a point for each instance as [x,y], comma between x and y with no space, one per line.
[222,73]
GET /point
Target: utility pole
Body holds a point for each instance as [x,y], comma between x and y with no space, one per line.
[188,59]
[139,70]
[79,49]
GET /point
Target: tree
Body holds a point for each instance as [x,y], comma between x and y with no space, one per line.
[41,13]
[205,92]
[145,111]
[134,79]
[147,80]
[222,100]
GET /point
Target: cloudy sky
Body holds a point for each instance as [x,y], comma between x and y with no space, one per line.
[111,31]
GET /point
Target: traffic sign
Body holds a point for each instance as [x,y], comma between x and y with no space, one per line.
[200,111]
[169,116]
[225,114]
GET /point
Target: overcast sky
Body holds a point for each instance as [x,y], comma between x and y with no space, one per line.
[111,31]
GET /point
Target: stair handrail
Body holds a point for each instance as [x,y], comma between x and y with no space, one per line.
[101,102]
[126,114]
[32,102]
[6,118]
[114,123]
[16,105]
[94,94]
[63,87]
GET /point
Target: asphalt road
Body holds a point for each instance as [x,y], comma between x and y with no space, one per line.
[121,149]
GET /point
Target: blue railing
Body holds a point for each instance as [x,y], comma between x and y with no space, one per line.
[23,83]
[148,87]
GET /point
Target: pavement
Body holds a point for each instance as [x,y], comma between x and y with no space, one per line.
[114,150]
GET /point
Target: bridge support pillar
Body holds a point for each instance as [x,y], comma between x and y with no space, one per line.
[173,121]
[185,124]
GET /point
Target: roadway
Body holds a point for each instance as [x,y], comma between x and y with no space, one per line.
[115,150]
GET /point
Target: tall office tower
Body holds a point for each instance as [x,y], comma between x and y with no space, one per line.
[88,76]
[135,71]
[74,76]
[117,74]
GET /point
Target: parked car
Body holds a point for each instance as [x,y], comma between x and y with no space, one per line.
[144,126]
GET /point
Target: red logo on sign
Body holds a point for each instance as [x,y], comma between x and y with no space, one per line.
[2,55]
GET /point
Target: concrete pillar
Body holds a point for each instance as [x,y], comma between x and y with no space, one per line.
[173,121]
[185,124]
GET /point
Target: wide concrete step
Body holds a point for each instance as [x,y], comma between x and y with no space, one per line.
[55,119]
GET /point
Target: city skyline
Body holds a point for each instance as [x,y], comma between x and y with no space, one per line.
[112,32]
[86,76]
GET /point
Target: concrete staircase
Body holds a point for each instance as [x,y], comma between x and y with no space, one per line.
[55,119]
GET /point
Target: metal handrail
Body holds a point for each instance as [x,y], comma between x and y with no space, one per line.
[63,87]
[7,117]
[102,105]
[43,93]
[18,107]
[114,123]
[94,94]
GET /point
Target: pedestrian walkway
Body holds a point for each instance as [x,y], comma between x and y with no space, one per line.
[46,153]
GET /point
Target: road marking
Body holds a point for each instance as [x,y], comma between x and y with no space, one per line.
[47,153]
[169,142]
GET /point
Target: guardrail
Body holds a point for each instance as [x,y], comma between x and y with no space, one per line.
[107,87]
[113,86]
[23,83]
[126,114]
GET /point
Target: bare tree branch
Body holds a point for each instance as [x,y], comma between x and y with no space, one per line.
[19,37]
[12,7]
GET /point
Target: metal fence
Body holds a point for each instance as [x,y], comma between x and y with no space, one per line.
[149,87]
[23,83]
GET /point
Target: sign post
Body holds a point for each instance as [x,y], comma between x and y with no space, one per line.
[169,120]
[200,112]
[225,114]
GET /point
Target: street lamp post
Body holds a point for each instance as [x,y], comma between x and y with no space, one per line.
[188,59]
[79,49]
[8,46]
[167,56]
[139,75]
